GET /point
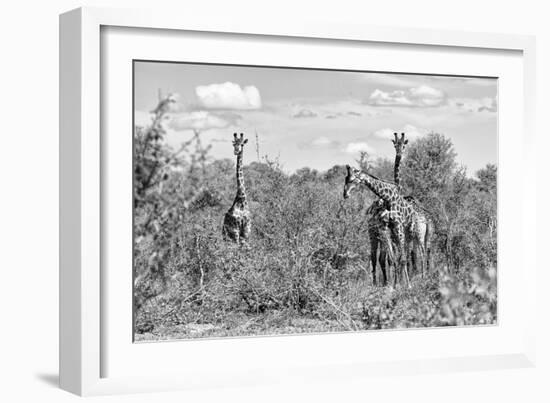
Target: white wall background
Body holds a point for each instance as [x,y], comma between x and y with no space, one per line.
[29,201]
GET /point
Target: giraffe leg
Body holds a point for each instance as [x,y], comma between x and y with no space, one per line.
[402,253]
[428,258]
[408,254]
[382,261]
[427,246]
[397,252]
[387,255]
[390,255]
[418,247]
[414,262]
[243,233]
[245,229]
[373,258]
[397,268]
[421,257]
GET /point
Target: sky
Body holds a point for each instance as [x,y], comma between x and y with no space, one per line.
[318,118]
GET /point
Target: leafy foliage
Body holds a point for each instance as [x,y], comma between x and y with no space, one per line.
[306,266]
[462,208]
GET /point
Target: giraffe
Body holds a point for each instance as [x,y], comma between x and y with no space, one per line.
[400,212]
[399,144]
[378,230]
[236,222]
[424,228]
[380,239]
[413,234]
[420,232]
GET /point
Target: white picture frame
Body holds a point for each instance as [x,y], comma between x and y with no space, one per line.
[83,308]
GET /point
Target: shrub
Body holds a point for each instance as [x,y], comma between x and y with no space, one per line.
[306,266]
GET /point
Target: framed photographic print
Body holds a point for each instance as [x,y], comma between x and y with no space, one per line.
[285,203]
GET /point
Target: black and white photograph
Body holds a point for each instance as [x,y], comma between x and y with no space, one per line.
[276,200]
[285,201]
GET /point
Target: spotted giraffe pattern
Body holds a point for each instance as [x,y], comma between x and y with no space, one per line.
[378,230]
[400,212]
[237,222]
[419,232]
[381,251]
[399,143]
[423,232]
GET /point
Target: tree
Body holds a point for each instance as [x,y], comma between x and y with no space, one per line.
[483,216]
[428,166]
[487,177]
[431,175]
[162,195]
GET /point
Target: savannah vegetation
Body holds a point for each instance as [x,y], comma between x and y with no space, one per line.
[306,266]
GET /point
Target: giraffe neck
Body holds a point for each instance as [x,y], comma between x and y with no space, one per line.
[386,191]
[396,167]
[241,193]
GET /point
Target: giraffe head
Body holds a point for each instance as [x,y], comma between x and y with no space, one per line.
[385,190]
[399,143]
[238,143]
[352,180]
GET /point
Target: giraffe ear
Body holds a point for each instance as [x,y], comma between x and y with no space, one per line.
[245,141]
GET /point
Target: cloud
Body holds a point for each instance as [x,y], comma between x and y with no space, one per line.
[203,120]
[327,108]
[486,104]
[321,141]
[354,148]
[384,133]
[324,141]
[304,113]
[421,96]
[483,108]
[411,132]
[228,96]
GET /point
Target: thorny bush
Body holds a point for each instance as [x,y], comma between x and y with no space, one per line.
[306,267]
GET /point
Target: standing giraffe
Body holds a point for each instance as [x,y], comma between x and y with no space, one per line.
[418,227]
[399,144]
[424,228]
[236,223]
[380,239]
[378,230]
[420,232]
[400,212]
